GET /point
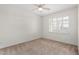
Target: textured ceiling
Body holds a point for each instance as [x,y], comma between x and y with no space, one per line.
[53,8]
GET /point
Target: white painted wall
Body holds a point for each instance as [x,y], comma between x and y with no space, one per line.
[17,25]
[70,37]
[78,28]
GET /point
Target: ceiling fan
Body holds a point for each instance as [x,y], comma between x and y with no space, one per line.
[40,7]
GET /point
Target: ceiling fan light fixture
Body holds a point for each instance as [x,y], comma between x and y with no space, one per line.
[40,9]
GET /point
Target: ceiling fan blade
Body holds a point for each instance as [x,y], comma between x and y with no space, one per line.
[35,9]
[39,5]
[42,4]
[46,8]
[36,5]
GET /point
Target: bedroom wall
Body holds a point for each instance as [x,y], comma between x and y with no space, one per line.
[17,25]
[71,36]
[78,28]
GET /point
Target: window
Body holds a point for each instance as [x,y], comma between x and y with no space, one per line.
[58,24]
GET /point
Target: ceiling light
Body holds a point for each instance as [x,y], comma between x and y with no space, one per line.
[40,9]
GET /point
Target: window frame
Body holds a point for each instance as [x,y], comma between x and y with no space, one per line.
[58,27]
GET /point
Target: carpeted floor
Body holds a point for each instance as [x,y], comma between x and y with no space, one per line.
[40,47]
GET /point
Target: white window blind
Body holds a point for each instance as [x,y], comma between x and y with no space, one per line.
[59,24]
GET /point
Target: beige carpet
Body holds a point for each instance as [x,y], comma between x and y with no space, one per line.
[40,47]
